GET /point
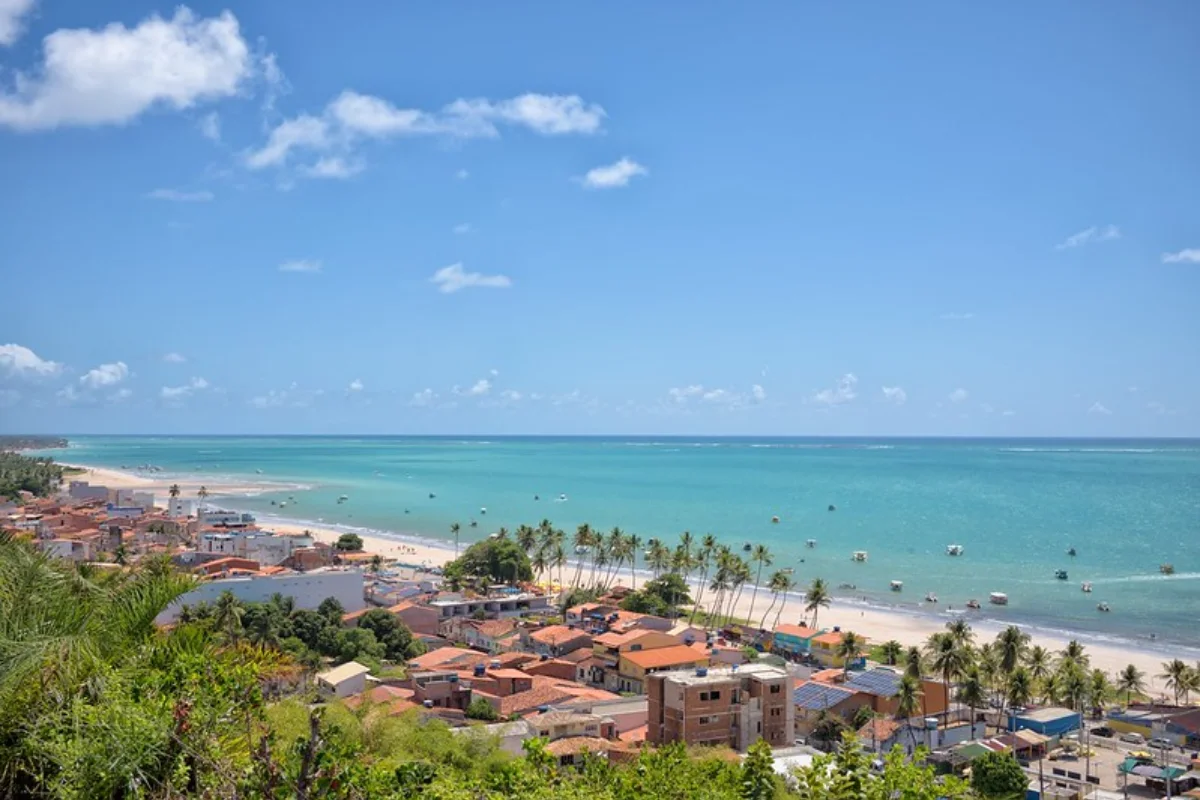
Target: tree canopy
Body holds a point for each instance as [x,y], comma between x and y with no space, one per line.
[500,560]
[349,542]
[998,776]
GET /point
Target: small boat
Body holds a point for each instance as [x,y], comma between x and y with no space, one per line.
[483,509]
[258,472]
[930,597]
[562,497]
[775,520]
[954,549]
[1103,607]
[282,503]
[343,498]
[859,555]
[747,547]
[897,586]
[832,507]
[788,570]
[973,604]
[811,543]
[1060,574]
[581,549]
[535,497]
[849,586]
[474,524]
[1166,569]
[998,599]
[1071,551]
[432,495]
[1086,587]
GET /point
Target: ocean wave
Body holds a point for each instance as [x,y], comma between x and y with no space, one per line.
[1093,450]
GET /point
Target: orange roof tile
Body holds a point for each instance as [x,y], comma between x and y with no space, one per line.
[831,638]
[665,657]
[515,674]
[828,676]
[444,656]
[799,631]
[555,634]
[637,734]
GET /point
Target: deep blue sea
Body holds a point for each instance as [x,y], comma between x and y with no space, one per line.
[1015,505]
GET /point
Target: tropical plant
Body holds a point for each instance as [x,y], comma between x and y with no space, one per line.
[174,490]
[1037,661]
[708,546]
[631,546]
[762,556]
[913,664]
[1018,690]
[349,543]
[849,649]
[909,703]
[202,493]
[949,657]
[960,630]
[454,530]
[1074,653]
[1011,644]
[1176,674]
[998,776]
[891,652]
[972,691]
[227,615]
[816,598]
[1100,691]
[1131,680]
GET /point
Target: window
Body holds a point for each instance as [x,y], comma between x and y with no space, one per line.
[714,695]
[759,727]
[704,697]
[775,688]
[775,712]
[707,720]
[633,648]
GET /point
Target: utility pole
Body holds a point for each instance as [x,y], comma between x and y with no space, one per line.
[1041,778]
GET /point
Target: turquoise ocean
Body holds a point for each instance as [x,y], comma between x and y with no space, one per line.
[1016,506]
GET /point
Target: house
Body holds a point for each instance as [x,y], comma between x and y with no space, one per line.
[511,605]
[1179,724]
[510,737]
[814,699]
[225,566]
[734,706]
[350,678]
[492,636]
[554,668]
[604,668]
[636,665]
[1049,721]
[447,658]
[824,648]
[554,640]
[418,618]
[70,549]
[555,725]
[599,618]
[793,640]
[440,688]
[882,685]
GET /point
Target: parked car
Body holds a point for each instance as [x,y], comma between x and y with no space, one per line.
[1158,743]
[1133,738]
[1103,730]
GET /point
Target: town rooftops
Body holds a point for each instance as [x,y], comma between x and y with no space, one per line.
[659,657]
[799,631]
[1047,714]
[831,638]
[445,656]
[878,730]
[814,696]
[564,717]
[553,634]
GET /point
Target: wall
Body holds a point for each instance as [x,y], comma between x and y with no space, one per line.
[307,590]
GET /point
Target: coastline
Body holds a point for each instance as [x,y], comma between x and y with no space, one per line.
[877,623]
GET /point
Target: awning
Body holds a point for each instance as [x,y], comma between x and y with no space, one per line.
[1161,773]
[1032,738]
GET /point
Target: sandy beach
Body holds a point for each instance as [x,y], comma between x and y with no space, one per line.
[878,625]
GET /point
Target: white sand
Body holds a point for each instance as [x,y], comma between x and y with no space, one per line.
[878,625]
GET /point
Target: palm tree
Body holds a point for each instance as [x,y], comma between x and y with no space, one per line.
[775,583]
[583,542]
[539,563]
[721,583]
[707,546]
[202,493]
[786,587]
[948,656]
[527,538]
[849,649]
[960,629]
[1191,683]
[816,598]
[121,555]
[1011,644]
[1074,654]
[892,651]
[1175,673]
[686,544]
[741,574]
[264,631]
[633,543]
[454,529]
[616,547]
[913,666]
[376,564]
[972,692]
[1100,690]
[908,703]
[659,558]
[227,615]
[1129,681]
[1018,690]
[761,556]
[174,490]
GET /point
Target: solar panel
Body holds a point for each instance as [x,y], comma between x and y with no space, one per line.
[879,682]
[818,696]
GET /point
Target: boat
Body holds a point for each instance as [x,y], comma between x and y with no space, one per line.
[483,509]
[343,498]
[474,524]
[1086,587]
[832,507]
[998,599]
[747,547]
[581,549]
[775,520]
[1166,569]
[859,555]
[897,586]
[973,604]
[788,570]
[432,495]
[930,597]
[283,503]
[1071,551]
[535,497]
[1103,607]
[258,472]
[562,498]
[811,543]
[847,586]
[1060,574]
[954,549]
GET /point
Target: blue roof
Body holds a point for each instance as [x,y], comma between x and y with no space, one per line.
[813,696]
[879,682]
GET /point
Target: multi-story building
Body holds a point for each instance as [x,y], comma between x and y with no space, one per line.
[735,706]
[306,589]
[636,666]
[512,605]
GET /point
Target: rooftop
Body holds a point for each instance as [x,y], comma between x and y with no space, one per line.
[814,696]
[351,669]
[879,682]
[722,674]
[1048,714]
[679,654]
[553,634]
[799,631]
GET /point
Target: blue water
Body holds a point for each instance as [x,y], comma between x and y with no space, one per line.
[1015,505]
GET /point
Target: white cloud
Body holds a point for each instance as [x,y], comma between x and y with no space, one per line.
[180,392]
[1188,256]
[958,315]
[16,359]
[356,385]
[758,393]
[511,395]
[425,397]
[176,196]
[682,394]
[452,278]
[333,167]
[351,117]
[462,174]
[68,395]
[300,265]
[11,24]
[613,175]
[210,126]
[462,227]
[1158,407]
[1008,413]
[112,75]
[1091,235]
[1098,408]
[481,388]
[718,396]
[174,358]
[895,394]
[493,372]
[105,375]
[1133,390]
[844,392]
[958,395]
[271,399]
[120,395]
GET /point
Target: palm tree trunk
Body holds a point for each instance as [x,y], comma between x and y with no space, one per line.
[767,613]
[754,594]
[699,595]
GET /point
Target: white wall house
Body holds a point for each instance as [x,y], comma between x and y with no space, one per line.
[307,590]
[69,549]
[178,508]
[343,681]
[265,547]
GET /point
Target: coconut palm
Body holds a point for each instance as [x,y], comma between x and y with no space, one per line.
[264,630]
[761,555]
[909,703]
[539,562]
[1071,685]
[1011,644]
[202,493]
[892,651]
[972,692]
[687,544]
[849,649]
[633,544]
[227,615]
[1131,680]
[722,582]
[816,598]
[1191,683]
[174,490]
[1074,653]
[960,629]
[741,576]
[376,564]
[913,666]
[527,538]
[949,657]
[708,546]
[776,584]
[454,529]
[659,558]
[583,542]
[1175,673]
[1018,689]
[1100,691]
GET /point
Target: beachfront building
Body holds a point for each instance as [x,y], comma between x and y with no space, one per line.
[1178,724]
[218,518]
[178,508]
[603,668]
[824,648]
[512,605]
[306,589]
[815,700]
[735,707]
[793,640]
[1048,721]
[82,490]
[636,666]
[265,547]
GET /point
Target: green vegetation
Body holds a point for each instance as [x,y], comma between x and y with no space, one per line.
[31,442]
[661,597]
[482,710]
[18,473]
[349,542]
[998,776]
[496,560]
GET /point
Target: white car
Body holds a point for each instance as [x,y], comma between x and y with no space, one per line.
[1133,738]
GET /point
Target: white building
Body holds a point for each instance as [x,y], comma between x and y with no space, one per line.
[124,512]
[217,518]
[178,508]
[82,490]
[69,549]
[514,605]
[129,497]
[343,681]
[265,547]
[307,590]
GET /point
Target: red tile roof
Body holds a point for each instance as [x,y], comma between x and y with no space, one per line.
[556,634]
[676,655]
[799,631]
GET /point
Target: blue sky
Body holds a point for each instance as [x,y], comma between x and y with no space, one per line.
[600,218]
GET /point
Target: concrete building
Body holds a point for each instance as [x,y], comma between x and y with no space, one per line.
[793,640]
[350,678]
[735,707]
[69,549]
[516,605]
[265,547]
[824,647]
[178,508]
[1050,721]
[82,490]
[307,590]
[554,640]
[510,737]
[636,665]
[218,518]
